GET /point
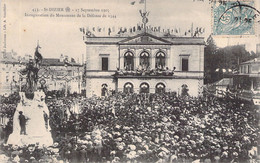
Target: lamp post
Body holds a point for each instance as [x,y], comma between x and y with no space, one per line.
[42,82]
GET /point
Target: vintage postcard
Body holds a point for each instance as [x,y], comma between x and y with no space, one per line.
[129,81]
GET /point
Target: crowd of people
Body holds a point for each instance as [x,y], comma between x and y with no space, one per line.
[148,128]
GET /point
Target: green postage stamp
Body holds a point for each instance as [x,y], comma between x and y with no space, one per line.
[234,18]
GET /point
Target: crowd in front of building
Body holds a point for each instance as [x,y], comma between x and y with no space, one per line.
[161,127]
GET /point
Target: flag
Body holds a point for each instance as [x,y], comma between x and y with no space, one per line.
[141,1]
[66,62]
[125,30]
[132,3]
[120,31]
[37,55]
[109,31]
[139,28]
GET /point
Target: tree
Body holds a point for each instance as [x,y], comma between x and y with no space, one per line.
[227,58]
[209,57]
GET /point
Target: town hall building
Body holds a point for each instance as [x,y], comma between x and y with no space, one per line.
[144,63]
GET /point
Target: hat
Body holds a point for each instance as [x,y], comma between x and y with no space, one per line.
[132,147]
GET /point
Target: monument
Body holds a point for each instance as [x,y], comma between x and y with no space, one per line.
[30,120]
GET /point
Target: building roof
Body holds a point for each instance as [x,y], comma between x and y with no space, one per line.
[57,62]
[224,82]
[144,38]
[152,39]
[253,61]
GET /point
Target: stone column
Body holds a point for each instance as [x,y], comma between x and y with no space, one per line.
[168,59]
[152,59]
[137,59]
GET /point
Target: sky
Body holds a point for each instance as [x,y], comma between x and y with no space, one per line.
[59,35]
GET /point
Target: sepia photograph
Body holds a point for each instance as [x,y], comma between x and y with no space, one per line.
[130,81]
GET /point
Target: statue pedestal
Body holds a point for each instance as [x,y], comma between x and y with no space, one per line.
[36,131]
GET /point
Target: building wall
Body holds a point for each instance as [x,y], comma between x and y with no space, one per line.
[170,85]
[94,85]
[94,54]
[151,49]
[115,52]
[9,77]
[195,54]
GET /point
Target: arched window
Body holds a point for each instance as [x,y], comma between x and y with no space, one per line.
[104,90]
[144,60]
[144,88]
[184,90]
[128,88]
[129,61]
[160,88]
[160,60]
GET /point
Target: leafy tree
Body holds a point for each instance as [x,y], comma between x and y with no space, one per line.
[209,56]
[223,58]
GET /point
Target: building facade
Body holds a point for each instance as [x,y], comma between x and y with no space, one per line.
[248,80]
[144,63]
[60,74]
[55,74]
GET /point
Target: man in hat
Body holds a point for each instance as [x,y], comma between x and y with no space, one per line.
[22,121]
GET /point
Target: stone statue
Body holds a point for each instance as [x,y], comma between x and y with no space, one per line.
[30,125]
[31,71]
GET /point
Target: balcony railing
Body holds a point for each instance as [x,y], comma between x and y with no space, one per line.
[145,73]
[250,94]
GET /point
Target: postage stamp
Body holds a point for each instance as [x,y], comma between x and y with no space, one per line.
[234,18]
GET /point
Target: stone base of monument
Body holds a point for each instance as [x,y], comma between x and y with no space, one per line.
[21,140]
[37,128]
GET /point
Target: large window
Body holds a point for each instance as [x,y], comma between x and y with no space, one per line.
[129,61]
[128,88]
[160,60]
[160,88]
[104,90]
[185,64]
[144,60]
[104,63]
[144,88]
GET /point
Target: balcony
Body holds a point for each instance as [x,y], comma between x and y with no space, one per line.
[249,94]
[144,73]
[157,74]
